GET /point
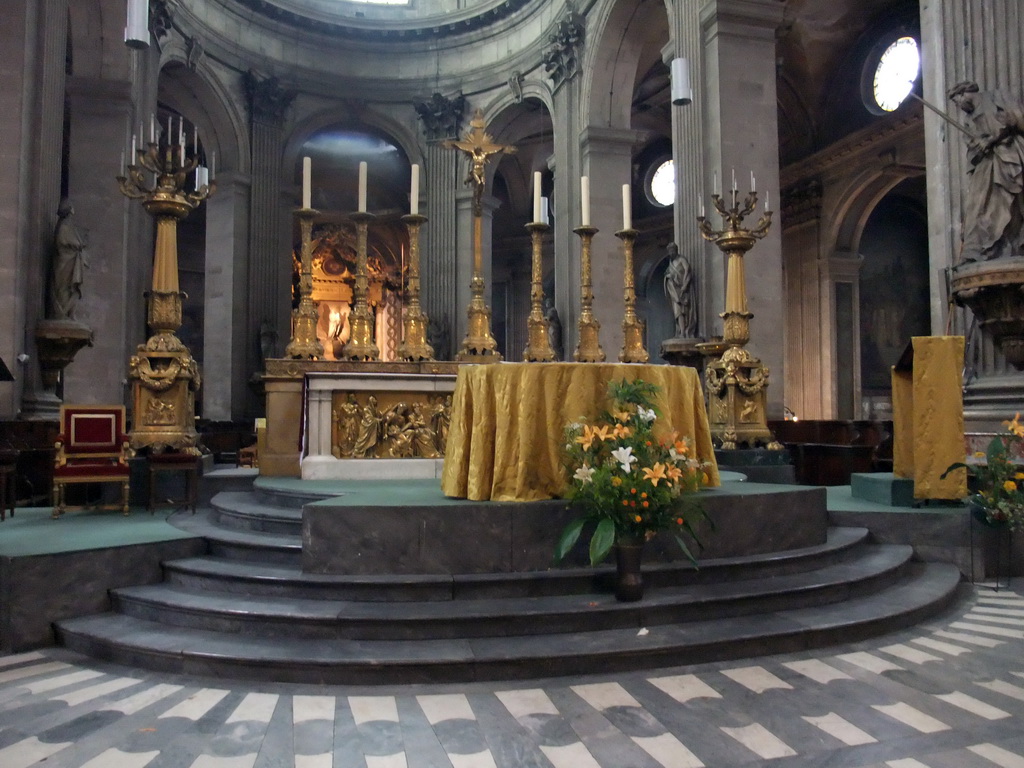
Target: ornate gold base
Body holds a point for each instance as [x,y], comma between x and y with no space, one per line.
[479,346]
[589,349]
[737,386]
[538,347]
[633,350]
[163,394]
[304,343]
[360,345]
[415,347]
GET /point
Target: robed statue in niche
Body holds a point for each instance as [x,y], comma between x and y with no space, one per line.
[681,292]
[69,264]
[994,201]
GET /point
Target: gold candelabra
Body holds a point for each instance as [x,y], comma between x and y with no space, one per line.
[361,345]
[414,346]
[163,373]
[538,345]
[304,343]
[737,382]
[633,350]
[588,348]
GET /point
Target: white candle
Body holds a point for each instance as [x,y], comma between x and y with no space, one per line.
[543,210]
[714,183]
[132,156]
[752,187]
[702,209]
[536,197]
[627,208]
[766,200]
[585,200]
[362,187]
[213,165]
[181,155]
[152,129]
[734,187]
[307,182]
[414,191]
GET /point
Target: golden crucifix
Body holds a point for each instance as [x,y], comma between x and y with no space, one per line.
[479,345]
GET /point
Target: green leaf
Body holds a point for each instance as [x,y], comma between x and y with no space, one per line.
[951,468]
[568,538]
[602,540]
[686,551]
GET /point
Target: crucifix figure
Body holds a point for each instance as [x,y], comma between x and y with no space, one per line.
[479,345]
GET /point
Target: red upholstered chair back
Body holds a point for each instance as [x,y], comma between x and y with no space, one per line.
[94,430]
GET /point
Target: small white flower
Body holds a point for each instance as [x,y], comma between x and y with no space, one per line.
[676,455]
[584,474]
[645,413]
[625,457]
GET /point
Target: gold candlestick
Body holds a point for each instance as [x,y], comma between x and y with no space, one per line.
[361,345]
[538,345]
[414,346]
[588,350]
[479,346]
[163,372]
[737,383]
[304,344]
[633,350]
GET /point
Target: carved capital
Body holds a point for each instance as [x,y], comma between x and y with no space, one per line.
[562,58]
[268,99]
[441,116]
[160,19]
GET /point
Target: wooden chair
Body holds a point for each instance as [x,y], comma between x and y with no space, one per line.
[92,447]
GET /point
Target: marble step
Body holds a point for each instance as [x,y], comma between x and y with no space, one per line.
[240,544]
[240,510]
[214,574]
[924,590]
[361,620]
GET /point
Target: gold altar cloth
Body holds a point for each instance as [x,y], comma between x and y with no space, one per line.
[505,440]
[928,417]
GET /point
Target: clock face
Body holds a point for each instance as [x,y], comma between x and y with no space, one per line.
[663,184]
[897,70]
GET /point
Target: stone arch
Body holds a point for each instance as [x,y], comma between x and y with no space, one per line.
[96,28]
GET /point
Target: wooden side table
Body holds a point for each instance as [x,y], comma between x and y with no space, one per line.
[182,464]
[8,492]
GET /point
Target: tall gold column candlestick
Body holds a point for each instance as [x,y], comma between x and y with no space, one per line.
[588,350]
[361,345]
[479,346]
[633,350]
[737,383]
[414,346]
[163,373]
[538,345]
[304,344]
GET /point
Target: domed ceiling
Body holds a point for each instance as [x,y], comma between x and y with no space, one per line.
[385,19]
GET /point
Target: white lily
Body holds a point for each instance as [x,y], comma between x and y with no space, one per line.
[625,457]
[646,414]
[584,474]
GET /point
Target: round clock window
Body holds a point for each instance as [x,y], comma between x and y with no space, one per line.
[661,186]
[896,73]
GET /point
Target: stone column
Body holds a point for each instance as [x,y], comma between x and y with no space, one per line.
[225,370]
[101,119]
[996,390]
[607,160]
[441,119]
[741,133]
[269,265]
[33,45]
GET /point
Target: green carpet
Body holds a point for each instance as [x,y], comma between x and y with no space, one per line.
[841,499]
[32,531]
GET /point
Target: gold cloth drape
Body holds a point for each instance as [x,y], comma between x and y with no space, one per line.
[928,417]
[505,441]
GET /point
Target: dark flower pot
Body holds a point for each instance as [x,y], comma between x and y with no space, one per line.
[629,584]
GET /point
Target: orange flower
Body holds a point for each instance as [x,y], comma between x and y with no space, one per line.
[625,502]
[673,472]
[638,518]
[655,473]
[621,430]
[643,495]
[621,415]
[632,490]
[679,521]
[616,481]
[1015,426]
[646,504]
[590,434]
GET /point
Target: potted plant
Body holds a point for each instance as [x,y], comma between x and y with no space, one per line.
[631,481]
[995,478]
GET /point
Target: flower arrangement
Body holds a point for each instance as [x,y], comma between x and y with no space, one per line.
[995,477]
[629,481]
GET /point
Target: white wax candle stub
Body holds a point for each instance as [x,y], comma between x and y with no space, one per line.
[714,183]
[414,191]
[585,200]
[734,187]
[752,185]
[307,182]
[536,196]
[627,210]
[362,187]
[543,210]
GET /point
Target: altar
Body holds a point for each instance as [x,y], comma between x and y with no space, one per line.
[507,422]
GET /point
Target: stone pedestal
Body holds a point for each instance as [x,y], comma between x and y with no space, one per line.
[57,341]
